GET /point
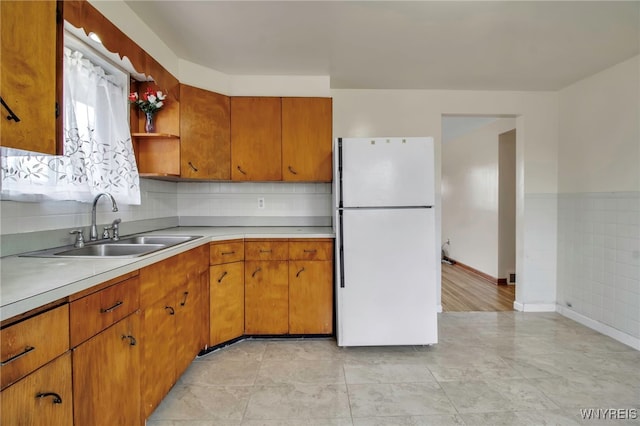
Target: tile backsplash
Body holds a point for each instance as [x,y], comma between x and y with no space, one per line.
[599,257]
[32,226]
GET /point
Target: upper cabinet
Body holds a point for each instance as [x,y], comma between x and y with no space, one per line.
[256,131]
[306,139]
[29,84]
[205,145]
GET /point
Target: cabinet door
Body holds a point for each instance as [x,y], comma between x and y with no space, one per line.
[306,139]
[106,376]
[189,321]
[310,297]
[226,312]
[33,400]
[256,136]
[266,297]
[205,138]
[158,343]
[28,74]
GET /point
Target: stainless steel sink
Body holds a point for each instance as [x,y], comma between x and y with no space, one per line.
[134,246]
[111,250]
[166,240]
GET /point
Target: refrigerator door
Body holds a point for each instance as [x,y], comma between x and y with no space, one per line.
[387,278]
[387,172]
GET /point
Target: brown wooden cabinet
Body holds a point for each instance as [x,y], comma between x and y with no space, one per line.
[105,336]
[226,294]
[205,138]
[174,320]
[106,378]
[256,134]
[311,287]
[28,79]
[42,398]
[307,139]
[266,287]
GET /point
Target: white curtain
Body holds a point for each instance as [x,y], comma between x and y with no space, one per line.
[98,153]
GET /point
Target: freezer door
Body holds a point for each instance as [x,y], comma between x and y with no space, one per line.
[387,172]
[387,284]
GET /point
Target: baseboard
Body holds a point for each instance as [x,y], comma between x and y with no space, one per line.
[534,307]
[599,327]
[486,277]
[439,309]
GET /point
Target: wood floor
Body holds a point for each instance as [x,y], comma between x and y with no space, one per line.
[463,291]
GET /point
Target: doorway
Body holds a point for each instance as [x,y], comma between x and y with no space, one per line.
[478,213]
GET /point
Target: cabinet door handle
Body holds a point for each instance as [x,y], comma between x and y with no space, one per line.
[184,301]
[194,168]
[310,251]
[292,170]
[56,397]
[20,355]
[224,274]
[132,340]
[12,115]
[299,272]
[255,272]
[112,308]
[265,251]
[241,171]
[224,253]
[170,309]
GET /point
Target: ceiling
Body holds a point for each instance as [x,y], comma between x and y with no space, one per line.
[471,45]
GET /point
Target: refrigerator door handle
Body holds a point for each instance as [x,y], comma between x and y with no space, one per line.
[341,249]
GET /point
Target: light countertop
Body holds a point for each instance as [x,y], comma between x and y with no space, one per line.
[30,282]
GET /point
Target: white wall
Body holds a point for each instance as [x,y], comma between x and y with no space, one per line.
[599,200]
[419,113]
[470,191]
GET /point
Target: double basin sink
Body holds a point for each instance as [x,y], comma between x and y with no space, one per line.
[134,246]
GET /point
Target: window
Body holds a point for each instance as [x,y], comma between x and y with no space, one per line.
[98,153]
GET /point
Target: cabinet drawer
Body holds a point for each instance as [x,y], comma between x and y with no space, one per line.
[266,250]
[32,343]
[42,398]
[311,250]
[226,252]
[92,314]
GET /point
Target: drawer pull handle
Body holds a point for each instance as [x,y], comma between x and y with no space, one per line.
[132,340]
[224,253]
[21,354]
[56,397]
[241,171]
[184,301]
[224,274]
[310,251]
[292,170]
[193,167]
[299,272]
[265,251]
[255,272]
[170,309]
[112,308]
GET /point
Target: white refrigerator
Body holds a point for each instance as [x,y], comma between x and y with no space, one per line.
[385,241]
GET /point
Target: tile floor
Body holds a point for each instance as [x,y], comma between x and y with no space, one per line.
[490,368]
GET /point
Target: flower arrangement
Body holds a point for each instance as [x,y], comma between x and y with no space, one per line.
[150,101]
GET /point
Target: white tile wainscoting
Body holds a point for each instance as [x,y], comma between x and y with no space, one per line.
[599,261]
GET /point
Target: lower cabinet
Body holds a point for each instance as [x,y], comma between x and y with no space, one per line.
[43,398]
[266,298]
[226,302]
[310,297]
[174,320]
[106,376]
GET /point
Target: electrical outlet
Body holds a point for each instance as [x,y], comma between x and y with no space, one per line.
[261,202]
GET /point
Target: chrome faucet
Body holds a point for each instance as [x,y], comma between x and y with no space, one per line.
[94,229]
